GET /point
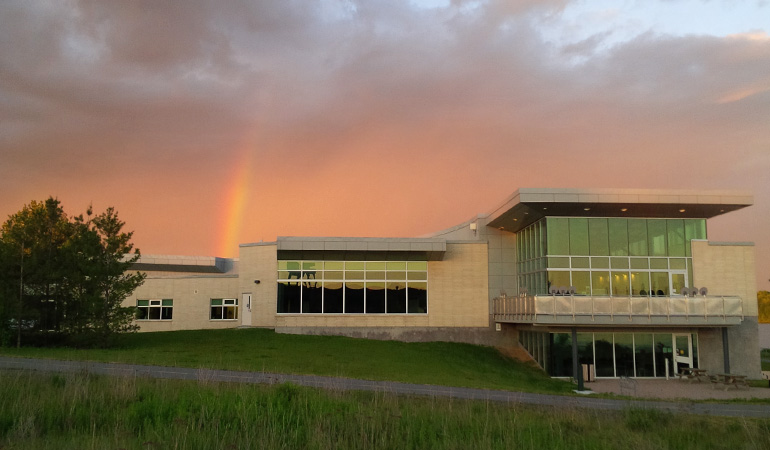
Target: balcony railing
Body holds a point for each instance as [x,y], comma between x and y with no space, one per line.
[605,310]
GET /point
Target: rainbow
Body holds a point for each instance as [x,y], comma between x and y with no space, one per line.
[236,197]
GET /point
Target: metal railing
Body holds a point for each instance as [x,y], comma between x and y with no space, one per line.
[529,308]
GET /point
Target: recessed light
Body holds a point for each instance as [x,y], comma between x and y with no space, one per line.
[624,209]
[681,210]
[544,208]
[515,219]
[586,209]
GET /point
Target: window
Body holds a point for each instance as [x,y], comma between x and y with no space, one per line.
[224,309]
[352,287]
[154,309]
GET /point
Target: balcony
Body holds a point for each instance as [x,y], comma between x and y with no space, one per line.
[619,311]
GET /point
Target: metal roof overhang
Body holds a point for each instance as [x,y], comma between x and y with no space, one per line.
[361,249]
[526,206]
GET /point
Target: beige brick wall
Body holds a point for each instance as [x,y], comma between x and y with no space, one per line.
[457,296]
[726,270]
[259,262]
[192,300]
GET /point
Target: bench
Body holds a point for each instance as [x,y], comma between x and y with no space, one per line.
[728,380]
[692,373]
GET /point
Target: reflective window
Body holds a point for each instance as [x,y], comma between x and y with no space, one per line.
[693,229]
[656,237]
[352,287]
[637,238]
[659,284]
[620,284]
[578,237]
[624,354]
[558,279]
[640,283]
[612,354]
[603,355]
[224,309]
[618,231]
[558,236]
[645,366]
[162,309]
[582,282]
[600,283]
[675,229]
[599,237]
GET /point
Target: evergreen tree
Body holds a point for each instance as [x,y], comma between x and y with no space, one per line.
[66,276]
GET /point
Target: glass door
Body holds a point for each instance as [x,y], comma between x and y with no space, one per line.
[682,351]
[677,281]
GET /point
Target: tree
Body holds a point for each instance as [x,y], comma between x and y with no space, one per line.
[32,239]
[99,280]
[71,275]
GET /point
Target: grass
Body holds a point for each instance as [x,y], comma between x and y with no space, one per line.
[253,349]
[80,411]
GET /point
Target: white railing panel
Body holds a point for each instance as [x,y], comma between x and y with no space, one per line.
[529,307]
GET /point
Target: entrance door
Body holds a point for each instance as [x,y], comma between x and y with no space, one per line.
[677,281]
[682,351]
[246,305]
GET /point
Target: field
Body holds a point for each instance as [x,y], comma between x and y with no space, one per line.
[253,349]
[80,411]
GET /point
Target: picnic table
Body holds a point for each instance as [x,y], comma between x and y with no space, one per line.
[692,373]
[730,380]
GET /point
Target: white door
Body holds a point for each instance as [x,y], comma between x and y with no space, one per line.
[246,310]
[682,351]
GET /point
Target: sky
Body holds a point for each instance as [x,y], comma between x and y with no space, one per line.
[207,123]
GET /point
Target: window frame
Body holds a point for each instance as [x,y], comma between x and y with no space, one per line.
[224,305]
[164,307]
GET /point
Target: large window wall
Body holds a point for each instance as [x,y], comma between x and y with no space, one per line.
[352,287]
[608,256]
[612,354]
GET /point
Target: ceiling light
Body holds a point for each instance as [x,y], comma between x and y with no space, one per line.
[624,209]
[586,209]
[681,210]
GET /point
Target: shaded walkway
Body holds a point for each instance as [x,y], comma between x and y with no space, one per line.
[343,384]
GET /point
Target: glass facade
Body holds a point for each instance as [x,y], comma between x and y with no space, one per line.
[607,256]
[352,287]
[612,354]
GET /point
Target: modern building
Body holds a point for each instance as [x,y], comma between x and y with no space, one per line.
[626,279]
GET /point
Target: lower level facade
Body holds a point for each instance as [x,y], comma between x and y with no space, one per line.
[622,281]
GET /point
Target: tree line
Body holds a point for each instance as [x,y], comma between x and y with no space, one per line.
[63,279]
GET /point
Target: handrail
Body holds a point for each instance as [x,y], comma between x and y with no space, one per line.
[529,307]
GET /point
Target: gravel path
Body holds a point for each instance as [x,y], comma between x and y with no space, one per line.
[337,383]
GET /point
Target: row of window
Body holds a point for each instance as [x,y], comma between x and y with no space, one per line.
[608,237]
[352,287]
[605,282]
[163,309]
[353,270]
[613,354]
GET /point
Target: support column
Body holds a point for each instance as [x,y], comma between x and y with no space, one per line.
[726,349]
[577,369]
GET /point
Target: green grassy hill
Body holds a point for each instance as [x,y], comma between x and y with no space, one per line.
[253,349]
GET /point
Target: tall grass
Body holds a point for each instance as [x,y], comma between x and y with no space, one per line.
[81,411]
[442,363]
